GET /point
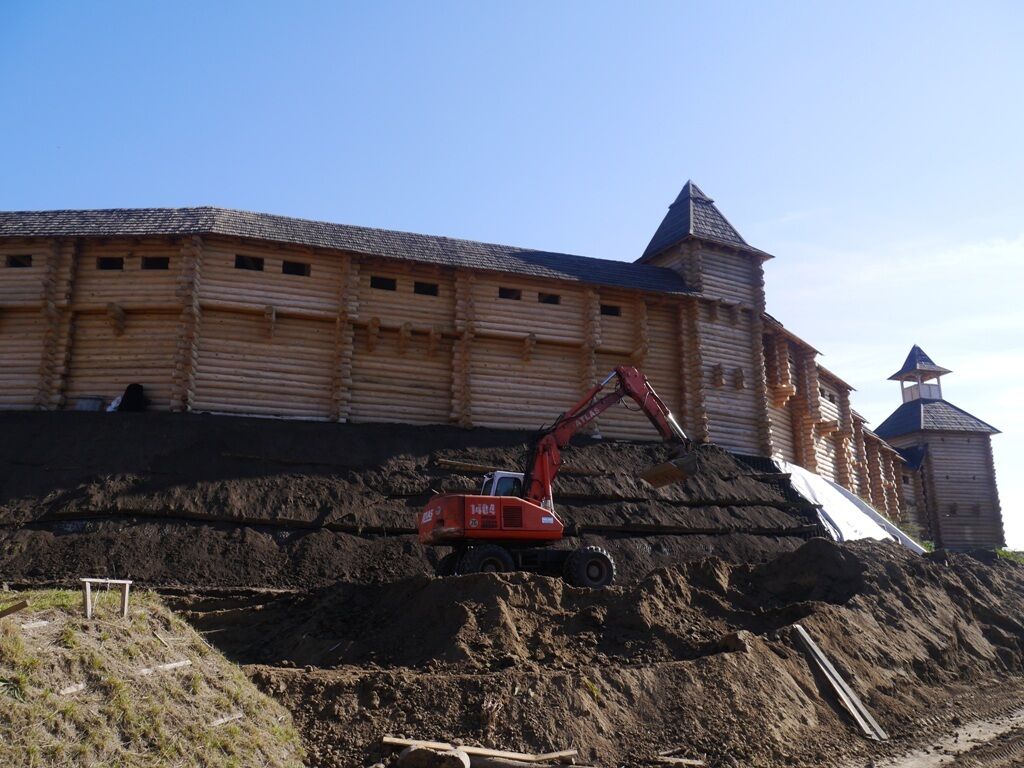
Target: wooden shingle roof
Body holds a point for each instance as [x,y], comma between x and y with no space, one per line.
[694,215]
[918,363]
[931,416]
[407,246]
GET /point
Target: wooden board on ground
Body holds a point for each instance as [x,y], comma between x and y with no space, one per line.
[522,757]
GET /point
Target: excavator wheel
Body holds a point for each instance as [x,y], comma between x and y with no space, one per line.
[590,567]
[488,558]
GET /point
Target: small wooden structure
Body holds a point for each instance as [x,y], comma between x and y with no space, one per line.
[232,312]
[949,478]
[122,584]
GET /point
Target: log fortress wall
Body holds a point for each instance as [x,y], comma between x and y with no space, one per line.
[242,325]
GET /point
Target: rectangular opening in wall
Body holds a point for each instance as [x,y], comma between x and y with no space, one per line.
[254,263]
[612,310]
[383,283]
[549,298]
[510,293]
[299,268]
[156,262]
[110,262]
[425,289]
[19,260]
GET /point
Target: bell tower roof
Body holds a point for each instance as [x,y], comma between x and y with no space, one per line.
[918,367]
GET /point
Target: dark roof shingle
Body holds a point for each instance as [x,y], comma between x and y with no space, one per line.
[918,362]
[428,249]
[931,416]
[693,214]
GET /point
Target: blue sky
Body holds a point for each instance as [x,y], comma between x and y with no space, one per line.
[874,148]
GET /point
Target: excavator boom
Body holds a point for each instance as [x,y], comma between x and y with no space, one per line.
[545,458]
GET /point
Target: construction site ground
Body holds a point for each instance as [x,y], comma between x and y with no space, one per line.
[290,547]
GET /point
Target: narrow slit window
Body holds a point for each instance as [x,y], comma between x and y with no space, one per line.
[300,268]
[549,298]
[612,310]
[19,260]
[425,289]
[156,262]
[112,263]
[510,293]
[254,263]
[383,283]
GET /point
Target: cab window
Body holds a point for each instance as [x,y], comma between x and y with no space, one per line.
[509,486]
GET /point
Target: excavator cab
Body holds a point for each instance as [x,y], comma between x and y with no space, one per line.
[502,484]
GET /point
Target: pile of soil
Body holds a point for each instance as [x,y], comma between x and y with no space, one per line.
[208,501]
[525,662]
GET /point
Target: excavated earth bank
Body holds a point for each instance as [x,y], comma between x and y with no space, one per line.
[365,641]
[195,500]
[525,662]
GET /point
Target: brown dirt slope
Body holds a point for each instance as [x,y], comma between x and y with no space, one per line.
[183,499]
[526,662]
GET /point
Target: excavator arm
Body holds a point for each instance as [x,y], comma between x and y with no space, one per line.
[545,458]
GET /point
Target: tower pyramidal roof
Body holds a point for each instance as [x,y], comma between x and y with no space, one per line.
[918,363]
[693,214]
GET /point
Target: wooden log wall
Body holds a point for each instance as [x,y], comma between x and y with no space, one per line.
[959,486]
[780,375]
[236,326]
[730,276]
[187,353]
[734,410]
[122,329]
[25,324]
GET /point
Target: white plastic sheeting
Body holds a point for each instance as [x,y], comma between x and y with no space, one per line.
[846,516]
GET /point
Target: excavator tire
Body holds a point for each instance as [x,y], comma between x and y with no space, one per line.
[590,567]
[488,558]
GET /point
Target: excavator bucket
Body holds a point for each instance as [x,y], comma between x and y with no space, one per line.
[674,471]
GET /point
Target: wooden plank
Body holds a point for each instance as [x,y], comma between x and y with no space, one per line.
[14,608]
[524,757]
[846,695]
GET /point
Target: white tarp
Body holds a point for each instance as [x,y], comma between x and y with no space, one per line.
[845,515]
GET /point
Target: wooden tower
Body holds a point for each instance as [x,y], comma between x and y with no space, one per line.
[949,481]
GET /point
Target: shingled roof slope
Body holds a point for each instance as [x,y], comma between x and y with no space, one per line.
[428,249]
[931,416]
[918,362]
[693,214]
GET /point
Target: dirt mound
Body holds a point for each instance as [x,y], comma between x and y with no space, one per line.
[526,662]
[187,553]
[185,499]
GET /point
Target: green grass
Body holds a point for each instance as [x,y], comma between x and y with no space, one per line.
[123,718]
[1011,554]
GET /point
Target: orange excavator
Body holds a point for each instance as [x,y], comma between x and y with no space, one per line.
[512,523]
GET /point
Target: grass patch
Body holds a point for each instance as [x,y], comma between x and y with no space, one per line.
[124,718]
[1011,554]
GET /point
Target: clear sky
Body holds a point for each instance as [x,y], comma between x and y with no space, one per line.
[875,148]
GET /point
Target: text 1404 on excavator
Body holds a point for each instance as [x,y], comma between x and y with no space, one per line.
[512,523]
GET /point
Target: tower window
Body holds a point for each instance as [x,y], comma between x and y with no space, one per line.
[156,262]
[612,310]
[513,294]
[425,289]
[549,298]
[253,263]
[300,268]
[19,261]
[110,263]
[383,283]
